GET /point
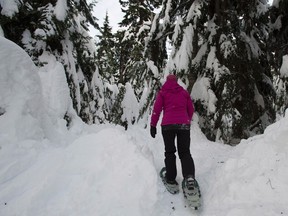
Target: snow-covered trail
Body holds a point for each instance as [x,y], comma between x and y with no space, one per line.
[107,171]
[208,156]
[249,179]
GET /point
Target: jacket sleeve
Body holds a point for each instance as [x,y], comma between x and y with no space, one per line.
[157,109]
[190,107]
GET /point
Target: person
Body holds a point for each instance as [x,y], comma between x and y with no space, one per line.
[178,109]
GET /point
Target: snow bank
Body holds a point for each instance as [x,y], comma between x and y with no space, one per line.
[109,171]
[253,179]
[20,94]
[103,173]
[33,101]
[56,93]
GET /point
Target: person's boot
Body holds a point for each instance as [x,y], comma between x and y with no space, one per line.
[171,186]
[191,191]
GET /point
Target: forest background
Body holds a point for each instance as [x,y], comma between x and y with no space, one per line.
[230,55]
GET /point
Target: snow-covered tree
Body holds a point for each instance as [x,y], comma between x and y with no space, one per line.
[122,54]
[58,28]
[135,67]
[278,52]
[238,71]
[219,51]
[106,58]
[231,55]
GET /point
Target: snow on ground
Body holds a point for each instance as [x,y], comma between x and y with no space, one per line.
[103,170]
[88,177]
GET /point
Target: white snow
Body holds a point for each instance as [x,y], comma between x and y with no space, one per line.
[177,29]
[202,91]
[226,45]
[1,32]
[150,64]
[284,67]
[275,3]
[55,86]
[9,7]
[129,105]
[278,23]
[262,7]
[183,55]
[194,11]
[104,170]
[166,18]
[61,10]
[20,97]
[254,47]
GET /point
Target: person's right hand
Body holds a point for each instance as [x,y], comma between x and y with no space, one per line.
[153,131]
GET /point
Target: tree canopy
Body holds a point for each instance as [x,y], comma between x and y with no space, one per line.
[230,55]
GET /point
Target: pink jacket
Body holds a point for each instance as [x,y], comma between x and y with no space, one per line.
[176,103]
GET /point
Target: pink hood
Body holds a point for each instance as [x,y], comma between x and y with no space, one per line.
[176,104]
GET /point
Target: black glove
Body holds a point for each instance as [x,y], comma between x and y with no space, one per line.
[153,131]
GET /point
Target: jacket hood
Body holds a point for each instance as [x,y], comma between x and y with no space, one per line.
[171,86]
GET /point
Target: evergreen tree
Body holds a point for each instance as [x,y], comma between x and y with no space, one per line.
[238,71]
[219,51]
[134,67]
[122,55]
[106,51]
[278,43]
[108,62]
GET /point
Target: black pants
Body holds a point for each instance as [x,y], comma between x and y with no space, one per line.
[183,146]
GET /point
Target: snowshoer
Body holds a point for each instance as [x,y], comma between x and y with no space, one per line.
[178,109]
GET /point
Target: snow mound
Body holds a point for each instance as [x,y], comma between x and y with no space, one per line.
[33,101]
[20,94]
[98,174]
[255,175]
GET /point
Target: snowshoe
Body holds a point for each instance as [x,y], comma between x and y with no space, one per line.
[191,191]
[171,186]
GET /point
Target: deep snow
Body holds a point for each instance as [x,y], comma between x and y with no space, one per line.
[103,170]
